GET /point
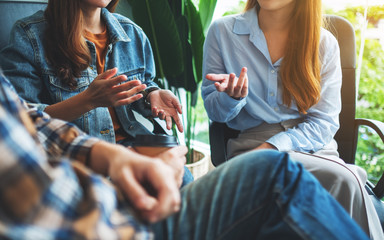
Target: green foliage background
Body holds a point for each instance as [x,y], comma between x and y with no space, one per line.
[370,99]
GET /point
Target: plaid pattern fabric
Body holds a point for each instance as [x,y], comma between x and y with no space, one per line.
[46,192]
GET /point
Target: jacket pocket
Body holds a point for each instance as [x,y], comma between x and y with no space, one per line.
[62,91]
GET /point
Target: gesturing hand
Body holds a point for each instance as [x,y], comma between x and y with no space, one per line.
[106,90]
[165,105]
[229,83]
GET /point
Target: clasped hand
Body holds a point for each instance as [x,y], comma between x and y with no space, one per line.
[235,87]
[151,184]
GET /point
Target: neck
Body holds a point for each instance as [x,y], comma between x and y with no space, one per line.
[92,20]
[277,20]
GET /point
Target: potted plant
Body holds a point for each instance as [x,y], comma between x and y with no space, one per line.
[176,30]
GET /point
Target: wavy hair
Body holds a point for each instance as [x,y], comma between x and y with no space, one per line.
[64,44]
[300,68]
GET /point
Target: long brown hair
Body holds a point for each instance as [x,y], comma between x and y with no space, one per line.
[300,68]
[64,44]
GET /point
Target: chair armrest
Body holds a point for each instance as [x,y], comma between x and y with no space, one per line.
[379,129]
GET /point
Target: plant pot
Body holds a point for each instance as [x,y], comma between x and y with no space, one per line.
[202,158]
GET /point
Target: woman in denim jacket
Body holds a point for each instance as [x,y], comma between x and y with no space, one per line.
[79,62]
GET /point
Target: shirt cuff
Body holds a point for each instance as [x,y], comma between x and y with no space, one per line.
[80,148]
[281,141]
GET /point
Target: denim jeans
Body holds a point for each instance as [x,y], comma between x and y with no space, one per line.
[258,195]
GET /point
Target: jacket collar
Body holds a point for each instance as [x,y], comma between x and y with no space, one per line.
[116,31]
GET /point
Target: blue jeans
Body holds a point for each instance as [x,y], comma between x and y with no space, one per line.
[258,195]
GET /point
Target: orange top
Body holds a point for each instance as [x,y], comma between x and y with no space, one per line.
[101,43]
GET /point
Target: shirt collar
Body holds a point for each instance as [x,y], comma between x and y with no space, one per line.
[116,32]
[248,23]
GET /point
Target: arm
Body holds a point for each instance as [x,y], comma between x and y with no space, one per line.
[322,121]
[163,103]
[23,65]
[219,105]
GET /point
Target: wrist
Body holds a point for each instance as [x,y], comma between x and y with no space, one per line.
[86,101]
[147,93]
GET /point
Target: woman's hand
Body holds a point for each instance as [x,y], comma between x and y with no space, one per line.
[106,90]
[165,105]
[235,87]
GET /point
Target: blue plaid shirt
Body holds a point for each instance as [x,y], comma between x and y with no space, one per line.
[46,191]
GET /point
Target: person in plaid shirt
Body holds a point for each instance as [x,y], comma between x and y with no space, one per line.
[54,185]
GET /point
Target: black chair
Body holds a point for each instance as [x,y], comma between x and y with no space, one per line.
[347,135]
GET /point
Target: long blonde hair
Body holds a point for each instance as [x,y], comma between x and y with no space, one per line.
[300,68]
[64,45]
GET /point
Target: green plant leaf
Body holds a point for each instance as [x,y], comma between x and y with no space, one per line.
[156,19]
[197,39]
[206,9]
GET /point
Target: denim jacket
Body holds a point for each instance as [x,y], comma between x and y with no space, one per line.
[24,64]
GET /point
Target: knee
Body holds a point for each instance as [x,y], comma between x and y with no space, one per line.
[259,161]
[339,179]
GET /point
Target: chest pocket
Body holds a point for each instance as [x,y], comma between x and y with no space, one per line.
[137,74]
[60,91]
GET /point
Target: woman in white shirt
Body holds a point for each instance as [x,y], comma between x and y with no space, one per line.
[287,93]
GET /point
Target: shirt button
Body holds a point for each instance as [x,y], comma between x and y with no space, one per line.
[273,71]
[276,109]
[271,94]
[130,127]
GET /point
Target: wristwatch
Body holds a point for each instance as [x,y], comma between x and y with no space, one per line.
[145,94]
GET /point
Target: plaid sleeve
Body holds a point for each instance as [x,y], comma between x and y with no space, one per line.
[60,138]
[40,199]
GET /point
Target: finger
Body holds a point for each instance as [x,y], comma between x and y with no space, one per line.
[220,87]
[155,112]
[161,114]
[231,84]
[135,192]
[216,77]
[127,101]
[240,82]
[244,90]
[129,88]
[178,122]
[168,120]
[162,180]
[176,104]
[115,81]
[177,151]
[107,74]
[130,93]
[116,86]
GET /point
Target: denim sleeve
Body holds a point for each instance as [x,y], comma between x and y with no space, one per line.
[219,106]
[20,63]
[322,120]
[150,73]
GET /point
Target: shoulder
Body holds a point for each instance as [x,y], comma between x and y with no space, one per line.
[328,44]
[126,23]
[34,21]
[327,39]
[226,22]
